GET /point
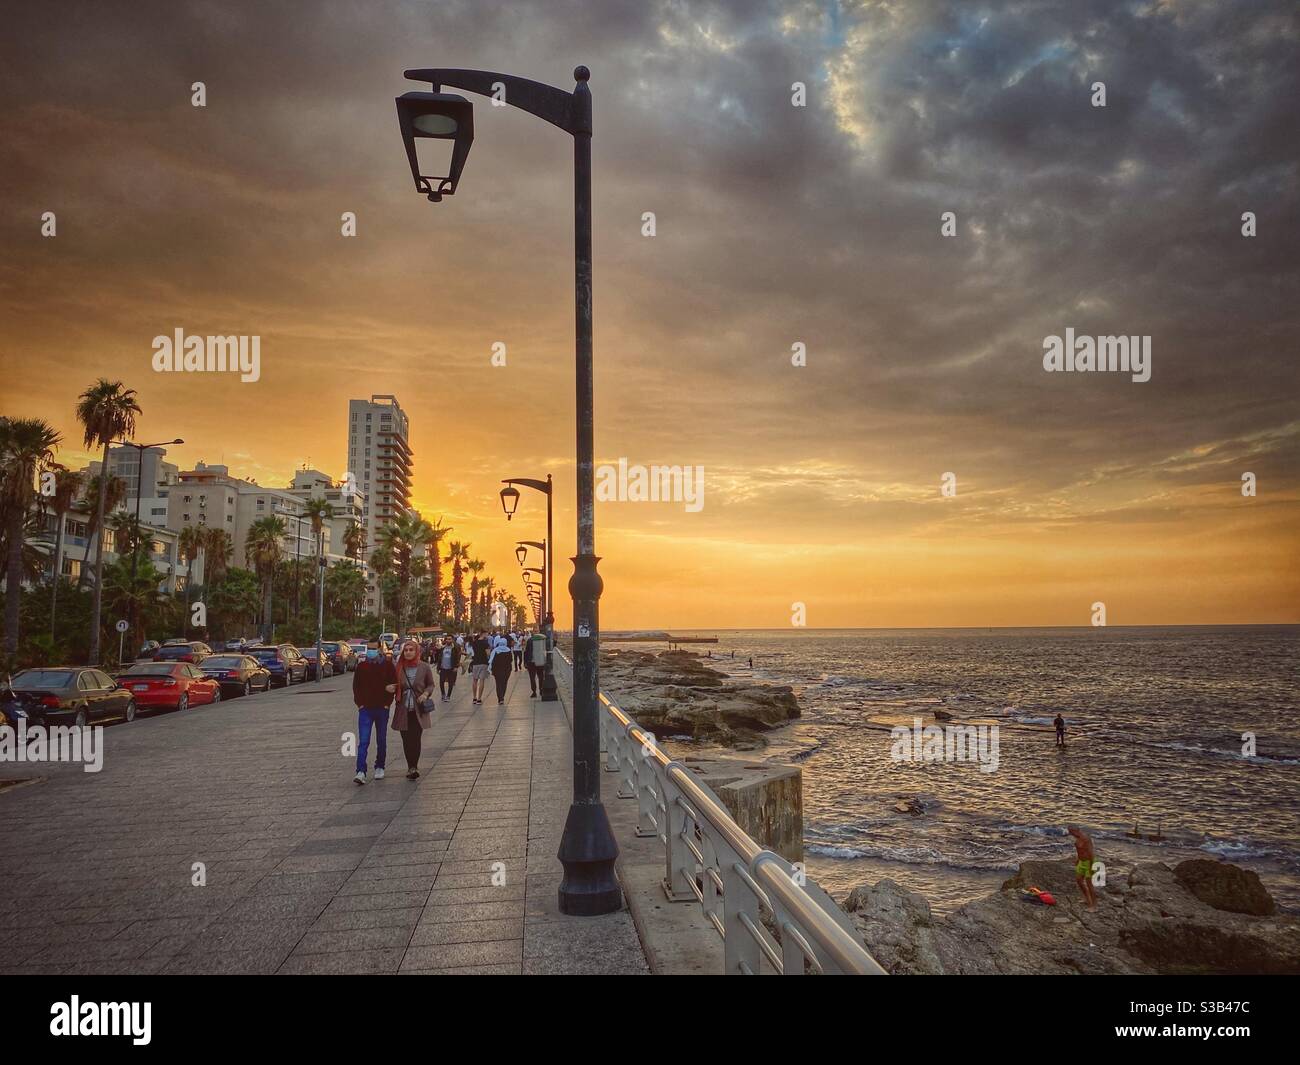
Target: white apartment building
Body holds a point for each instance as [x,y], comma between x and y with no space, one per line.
[380,461]
[348,506]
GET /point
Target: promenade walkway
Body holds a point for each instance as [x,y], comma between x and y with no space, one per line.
[303,871]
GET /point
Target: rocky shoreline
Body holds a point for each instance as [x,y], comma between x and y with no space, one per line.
[673,693]
[1199,917]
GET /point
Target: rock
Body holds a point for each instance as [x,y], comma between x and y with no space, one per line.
[1225,887]
[1146,922]
[674,693]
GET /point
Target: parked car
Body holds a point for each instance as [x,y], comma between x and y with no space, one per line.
[318,663]
[239,644]
[170,685]
[67,695]
[388,638]
[358,648]
[282,661]
[182,651]
[342,655]
[237,674]
[147,652]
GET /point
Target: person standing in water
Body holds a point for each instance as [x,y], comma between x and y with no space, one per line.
[1060,730]
[414,692]
[1083,867]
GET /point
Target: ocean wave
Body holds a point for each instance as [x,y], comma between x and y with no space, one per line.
[904,855]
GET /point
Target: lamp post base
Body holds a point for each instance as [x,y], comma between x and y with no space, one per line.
[587,852]
[550,692]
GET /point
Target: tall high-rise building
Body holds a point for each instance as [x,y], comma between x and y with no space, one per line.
[380,461]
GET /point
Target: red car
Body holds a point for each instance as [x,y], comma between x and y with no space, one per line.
[169,685]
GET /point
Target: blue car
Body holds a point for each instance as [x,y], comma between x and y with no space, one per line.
[283,662]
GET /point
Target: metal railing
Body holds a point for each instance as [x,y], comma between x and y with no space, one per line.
[764,908]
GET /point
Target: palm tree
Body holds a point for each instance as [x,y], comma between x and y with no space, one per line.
[191,541]
[345,588]
[217,549]
[67,486]
[114,494]
[354,541]
[403,537]
[458,554]
[475,567]
[107,411]
[381,561]
[263,549]
[436,534]
[26,451]
[319,511]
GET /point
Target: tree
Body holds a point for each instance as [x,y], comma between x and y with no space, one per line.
[404,536]
[475,567]
[190,542]
[434,552]
[137,597]
[263,549]
[114,492]
[26,451]
[217,549]
[232,601]
[457,555]
[354,541]
[381,561]
[345,590]
[108,411]
[67,486]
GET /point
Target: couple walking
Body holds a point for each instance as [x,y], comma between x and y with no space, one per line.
[492,654]
[404,687]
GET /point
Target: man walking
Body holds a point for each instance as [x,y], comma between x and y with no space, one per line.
[1060,730]
[482,647]
[373,685]
[448,659]
[535,669]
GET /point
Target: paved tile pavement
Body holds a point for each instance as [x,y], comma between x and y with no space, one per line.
[305,871]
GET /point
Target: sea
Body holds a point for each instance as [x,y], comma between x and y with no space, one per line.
[1181,742]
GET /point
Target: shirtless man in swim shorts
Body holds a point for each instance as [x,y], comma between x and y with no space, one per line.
[1083,867]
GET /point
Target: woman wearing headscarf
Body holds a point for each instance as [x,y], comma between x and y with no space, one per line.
[415,685]
[501,665]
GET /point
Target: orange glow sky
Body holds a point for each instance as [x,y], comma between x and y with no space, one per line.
[775,225]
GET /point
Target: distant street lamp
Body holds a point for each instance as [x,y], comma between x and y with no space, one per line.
[139,493]
[509,503]
[521,553]
[588,850]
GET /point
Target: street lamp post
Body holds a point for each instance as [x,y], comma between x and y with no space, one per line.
[587,850]
[140,449]
[509,501]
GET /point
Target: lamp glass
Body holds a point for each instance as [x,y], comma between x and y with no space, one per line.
[435,125]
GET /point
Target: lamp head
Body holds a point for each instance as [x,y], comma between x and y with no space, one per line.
[436,116]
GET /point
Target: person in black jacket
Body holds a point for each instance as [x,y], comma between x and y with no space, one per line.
[446,660]
[373,685]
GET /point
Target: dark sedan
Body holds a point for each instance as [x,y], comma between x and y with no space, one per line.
[284,663]
[237,674]
[191,651]
[318,667]
[342,655]
[67,695]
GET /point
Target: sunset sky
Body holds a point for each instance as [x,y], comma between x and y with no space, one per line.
[776,225]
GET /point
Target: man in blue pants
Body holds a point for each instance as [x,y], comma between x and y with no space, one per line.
[373,685]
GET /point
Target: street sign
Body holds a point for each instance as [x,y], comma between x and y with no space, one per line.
[122,626]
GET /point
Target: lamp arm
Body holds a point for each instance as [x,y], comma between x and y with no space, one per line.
[528,482]
[537,98]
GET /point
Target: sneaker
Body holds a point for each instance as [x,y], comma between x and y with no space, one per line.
[379,773]
[360,778]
